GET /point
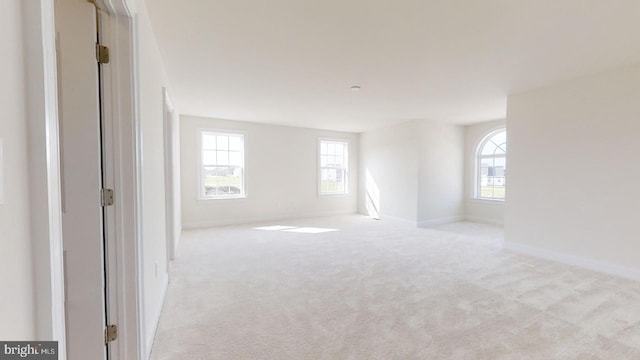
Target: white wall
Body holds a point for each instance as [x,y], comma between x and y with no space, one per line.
[486,211]
[177,187]
[152,80]
[389,171]
[281,165]
[574,168]
[440,173]
[17,302]
[415,172]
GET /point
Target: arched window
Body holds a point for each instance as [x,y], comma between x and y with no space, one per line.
[492,166]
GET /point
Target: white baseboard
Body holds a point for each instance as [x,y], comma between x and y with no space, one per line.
[478,219]
[156,317]
[440,221]
[176,242]
[261,219]
[406,221]
[577,261]
[425,223]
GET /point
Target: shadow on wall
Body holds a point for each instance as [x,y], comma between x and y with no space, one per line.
[373,196]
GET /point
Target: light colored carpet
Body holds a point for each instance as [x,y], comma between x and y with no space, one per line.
[386,290]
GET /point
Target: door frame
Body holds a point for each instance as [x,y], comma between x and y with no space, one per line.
[123,156]
[169,184]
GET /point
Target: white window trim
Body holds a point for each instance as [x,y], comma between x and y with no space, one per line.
[226,132]
[478,158]
[319,167]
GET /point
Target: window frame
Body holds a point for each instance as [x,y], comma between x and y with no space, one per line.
[200,165]
[345,166]
[478,165]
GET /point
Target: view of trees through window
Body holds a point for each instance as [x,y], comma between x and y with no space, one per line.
[333,167]
[492,166]
[222,165]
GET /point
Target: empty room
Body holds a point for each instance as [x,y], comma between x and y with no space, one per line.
[344,182]
[218,179]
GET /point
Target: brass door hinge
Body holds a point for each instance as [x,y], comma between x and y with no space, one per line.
[111,333]
[106,197]
[102,54]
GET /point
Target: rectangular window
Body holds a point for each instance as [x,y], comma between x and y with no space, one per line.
[221,165]
[334,167]
[492,177]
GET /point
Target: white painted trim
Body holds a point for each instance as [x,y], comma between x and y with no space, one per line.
[253,220]
[156,317]
[121,158]
[167,123]
[1,172]
[440,221]
[476,159]
[44,169]
[138,192]
[478,219]
[319,166]
[177,181]
[487,201]
[384,217]
[203,198]
[573,260]
[127,8]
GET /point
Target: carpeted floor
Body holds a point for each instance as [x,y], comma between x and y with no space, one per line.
[385,290]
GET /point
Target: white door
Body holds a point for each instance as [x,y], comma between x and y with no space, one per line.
[81,159]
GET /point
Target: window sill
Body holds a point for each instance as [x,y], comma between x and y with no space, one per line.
[332,194]
[223,198]
[488,201]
